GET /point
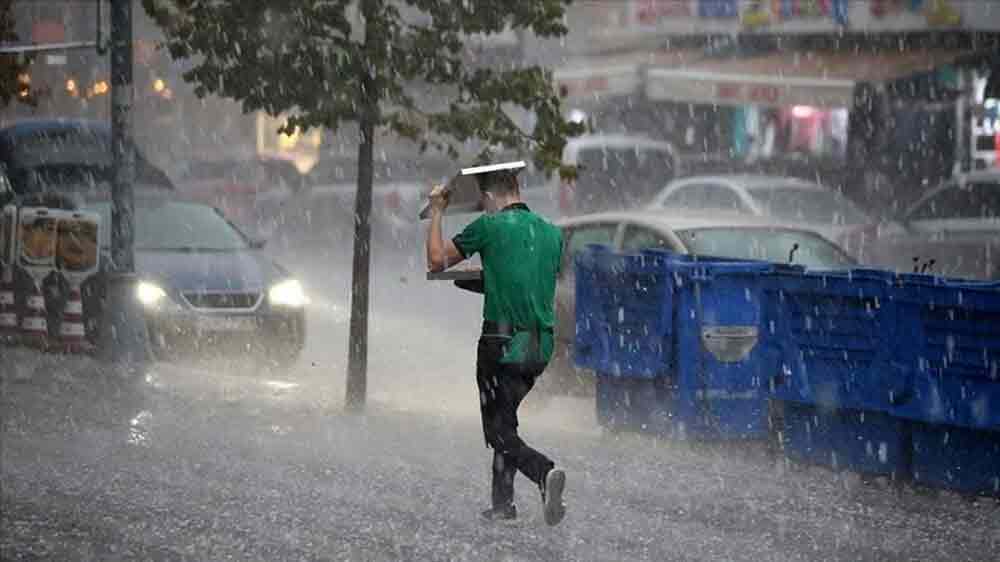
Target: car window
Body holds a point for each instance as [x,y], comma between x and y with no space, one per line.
[577,238]
[807,205]
[640,238]
[705,196]
[686,197]
[176,225]
[721,197]
[976,200]
[766,244]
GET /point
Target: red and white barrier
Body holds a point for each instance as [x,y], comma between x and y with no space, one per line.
[38,247]
[77,258]
[37,234]
[34,324]
[8,309]
[72,334]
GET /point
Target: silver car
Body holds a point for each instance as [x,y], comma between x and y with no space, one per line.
[739,238]
[784,199]
[953,230]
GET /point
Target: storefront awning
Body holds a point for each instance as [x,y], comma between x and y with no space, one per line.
[596,79]
[788,78]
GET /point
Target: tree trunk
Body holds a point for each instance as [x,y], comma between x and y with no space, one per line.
[357,362]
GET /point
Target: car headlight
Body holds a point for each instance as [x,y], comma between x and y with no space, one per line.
[149,294]
[288,293]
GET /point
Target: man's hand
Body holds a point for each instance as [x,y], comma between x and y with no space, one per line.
[439,198]
[441,253]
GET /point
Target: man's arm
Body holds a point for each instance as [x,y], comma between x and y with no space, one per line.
[441,254]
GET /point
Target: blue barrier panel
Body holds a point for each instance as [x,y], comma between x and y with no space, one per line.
[590,349]
[865,442]
[723,349]
[838,333]
[964,460]
[633,404]
[953,357]
[623,322]
[693,325]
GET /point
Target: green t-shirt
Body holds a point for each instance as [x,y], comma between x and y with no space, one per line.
[521,253]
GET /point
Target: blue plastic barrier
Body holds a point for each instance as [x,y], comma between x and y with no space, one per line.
[678,321]
[723,349]
[695,347]
[955,458]
[865,442]
[633,404]
[952,332]
[592,330]
[839,338]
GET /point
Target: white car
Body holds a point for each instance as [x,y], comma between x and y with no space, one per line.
[614,172]
[953,230]
[747,237]
[783,199]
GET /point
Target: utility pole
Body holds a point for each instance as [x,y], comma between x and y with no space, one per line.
[124,340]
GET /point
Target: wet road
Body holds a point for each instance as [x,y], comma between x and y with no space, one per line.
[221,461]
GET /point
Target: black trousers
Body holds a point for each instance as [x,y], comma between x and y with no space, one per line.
[502,387]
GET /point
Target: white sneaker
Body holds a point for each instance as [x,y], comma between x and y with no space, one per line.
[552,503]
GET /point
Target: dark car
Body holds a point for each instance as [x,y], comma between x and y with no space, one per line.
[206,287]
[66,155]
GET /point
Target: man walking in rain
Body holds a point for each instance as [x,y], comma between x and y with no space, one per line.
[521,254]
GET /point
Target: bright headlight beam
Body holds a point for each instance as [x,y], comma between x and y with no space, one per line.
[288,293]
[149,294]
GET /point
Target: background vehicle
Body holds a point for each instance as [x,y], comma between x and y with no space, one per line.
[957,225]
[249,191]
[205,286]
[614,172]
[782,198]
[66,155]
[746,238]
[324,211]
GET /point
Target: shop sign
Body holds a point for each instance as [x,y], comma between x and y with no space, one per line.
[937,12]
[709,88]
[767,12]
[604,81]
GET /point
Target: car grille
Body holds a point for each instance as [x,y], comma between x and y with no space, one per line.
[222,300]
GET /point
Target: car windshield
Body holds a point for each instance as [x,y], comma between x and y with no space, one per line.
[807,205]
[176,225]
[766,244]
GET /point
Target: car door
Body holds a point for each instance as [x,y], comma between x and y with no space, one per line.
[575,239]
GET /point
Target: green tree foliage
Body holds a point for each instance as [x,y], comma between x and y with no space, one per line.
[328,62]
